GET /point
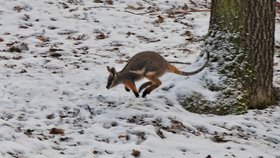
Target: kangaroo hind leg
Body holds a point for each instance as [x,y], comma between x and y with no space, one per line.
[155,84]
[144,85]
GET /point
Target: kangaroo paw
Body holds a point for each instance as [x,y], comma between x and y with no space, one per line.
[145,93]
[127,89]
[136,94]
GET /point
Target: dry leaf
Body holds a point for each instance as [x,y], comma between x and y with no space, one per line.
[98,1]
[101,36]
[160,19]
[135,153]
[23,27]
[130,7]
[110,2]
[130,33]
[42,38]
[57,131]
[55,55]
[18,8]
[18,48]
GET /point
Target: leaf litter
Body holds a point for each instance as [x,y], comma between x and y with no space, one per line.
[53,99]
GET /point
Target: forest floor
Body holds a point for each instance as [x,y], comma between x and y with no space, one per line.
[53,100]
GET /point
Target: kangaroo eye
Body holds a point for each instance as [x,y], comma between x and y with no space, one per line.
[111,76]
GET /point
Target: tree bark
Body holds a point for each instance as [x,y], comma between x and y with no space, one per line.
[260,41]
[241,41]
[254,22]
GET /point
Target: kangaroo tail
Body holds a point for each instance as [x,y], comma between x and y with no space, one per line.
[173,69]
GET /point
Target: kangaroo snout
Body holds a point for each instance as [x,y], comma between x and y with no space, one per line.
[108,86]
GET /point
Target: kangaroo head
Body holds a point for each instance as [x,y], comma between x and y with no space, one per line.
[113,78]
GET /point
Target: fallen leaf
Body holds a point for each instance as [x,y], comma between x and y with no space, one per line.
[135,153]
[26,17]
[55,55]
[42,38]
[53,19]
[160,134]
[130,33]
[50,116]
[29,132]
[23,27]
[18,8]
[23,71]
[64,5]
[18,48]
[55,49]
[98,1]
[17,57]
[4,58]
[130,7]
[218,139]
[160,19]
[147,40]
[57,131]
[110,2]
[101,36]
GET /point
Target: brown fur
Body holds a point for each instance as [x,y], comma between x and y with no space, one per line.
[148,65]
[173,69]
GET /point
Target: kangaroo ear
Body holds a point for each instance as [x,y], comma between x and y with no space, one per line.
[113,70]
[108,68]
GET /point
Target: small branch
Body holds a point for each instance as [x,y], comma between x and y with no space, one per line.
[184,12]
[149,2]
[159,133]
[146,39]
[178,62]
[90,111]
[138,13]
[106,7]
[196,10]
[179,20]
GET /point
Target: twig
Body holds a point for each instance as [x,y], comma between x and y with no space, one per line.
[106,7]
[139,13]
[146,39]
[159,133]
[90,111]
[196,10]
[179,20]
[178,62]
[149,2]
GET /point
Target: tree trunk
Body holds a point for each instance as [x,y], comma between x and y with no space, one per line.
[241,41]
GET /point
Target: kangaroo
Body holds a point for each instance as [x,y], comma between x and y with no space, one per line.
[147,64]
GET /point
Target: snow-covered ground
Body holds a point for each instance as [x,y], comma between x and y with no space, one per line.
[53,100]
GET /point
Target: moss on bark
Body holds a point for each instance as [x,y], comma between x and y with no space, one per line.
[241,41]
